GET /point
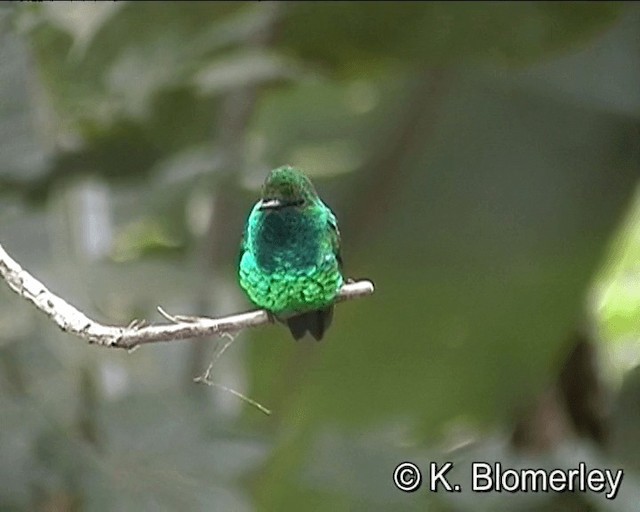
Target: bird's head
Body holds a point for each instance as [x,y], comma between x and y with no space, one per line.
[287,187]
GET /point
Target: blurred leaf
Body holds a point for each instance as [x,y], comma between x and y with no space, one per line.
[144,237]
[139,51]
[481,253]
[129,150]
[613,88]
[121,80]
[81,21]
[616,292]
[242,69]
[352,36]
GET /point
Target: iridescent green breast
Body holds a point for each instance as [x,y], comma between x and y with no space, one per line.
[288,263]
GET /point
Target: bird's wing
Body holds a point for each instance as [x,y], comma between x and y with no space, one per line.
[335,237]
[243,243]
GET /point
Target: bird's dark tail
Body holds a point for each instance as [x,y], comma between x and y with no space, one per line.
[315,322]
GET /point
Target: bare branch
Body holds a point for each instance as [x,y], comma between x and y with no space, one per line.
[70,320]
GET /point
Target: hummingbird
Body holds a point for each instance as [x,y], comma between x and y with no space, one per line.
[290,261]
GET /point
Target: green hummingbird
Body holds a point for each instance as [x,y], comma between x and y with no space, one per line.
[290,260]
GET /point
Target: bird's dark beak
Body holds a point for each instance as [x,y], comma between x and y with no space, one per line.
[270,204]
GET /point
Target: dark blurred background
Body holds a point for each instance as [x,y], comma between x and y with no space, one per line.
[483,162]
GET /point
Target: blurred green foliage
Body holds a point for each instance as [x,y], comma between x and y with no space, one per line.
[481,159]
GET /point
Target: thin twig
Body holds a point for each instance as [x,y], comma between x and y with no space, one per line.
[245,398]
[206,379]
[168,316]
[222,350]
[73,321]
